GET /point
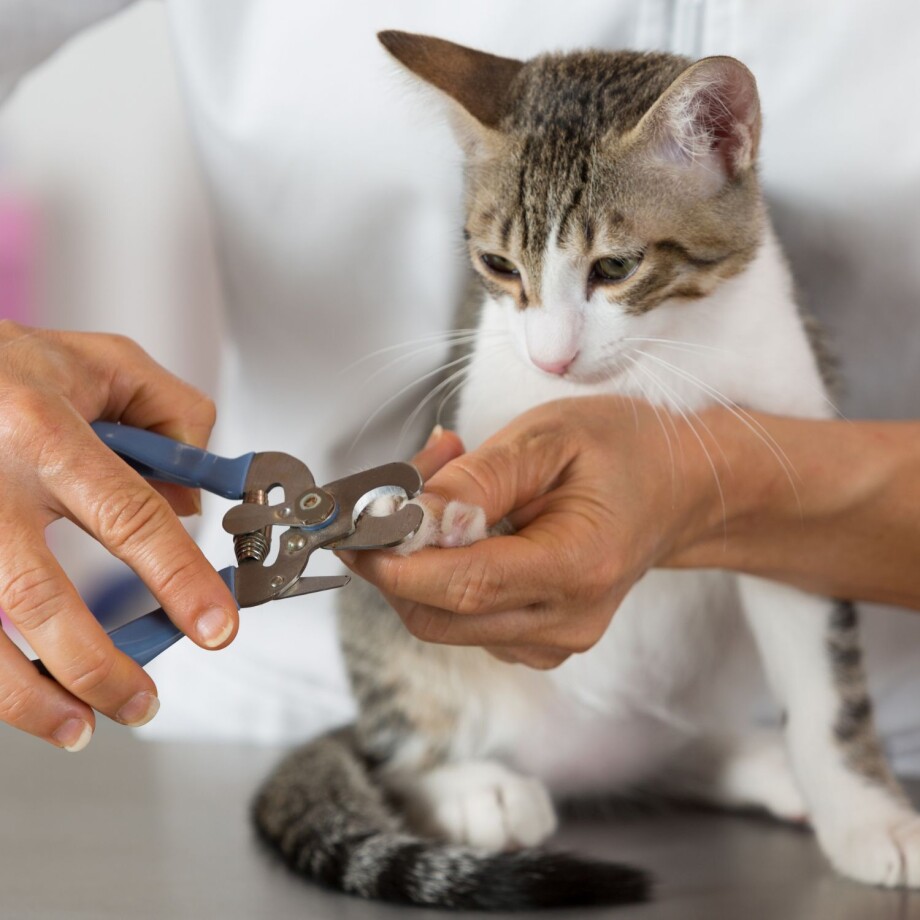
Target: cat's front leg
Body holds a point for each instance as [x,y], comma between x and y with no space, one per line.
[811,652]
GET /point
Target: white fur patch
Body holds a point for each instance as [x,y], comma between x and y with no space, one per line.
[481,804]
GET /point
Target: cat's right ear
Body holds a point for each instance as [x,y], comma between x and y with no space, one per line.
[706,124]
[476,84]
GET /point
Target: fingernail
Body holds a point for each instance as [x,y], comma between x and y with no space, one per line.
[214,627]
[73,735]
[139,710]
[435,436]
[348,556]
[196,501]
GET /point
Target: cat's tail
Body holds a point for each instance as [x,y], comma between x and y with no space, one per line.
[321,812]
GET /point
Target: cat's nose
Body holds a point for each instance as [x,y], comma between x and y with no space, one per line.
[554,367]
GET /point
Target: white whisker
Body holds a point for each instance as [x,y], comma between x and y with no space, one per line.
[678,343]
[664,430]
[446,382]
[417,351]
[666,390]
[402,391]
[751,423]
[435,338]
[447,399]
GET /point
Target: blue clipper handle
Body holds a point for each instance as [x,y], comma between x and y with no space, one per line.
[157,457]
[144,638]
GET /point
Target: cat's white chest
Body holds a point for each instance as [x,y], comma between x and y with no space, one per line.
[657,679]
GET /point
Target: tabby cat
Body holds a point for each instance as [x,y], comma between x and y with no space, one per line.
[614,213]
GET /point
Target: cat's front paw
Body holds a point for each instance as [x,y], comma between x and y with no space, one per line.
[462,524]
[881,852]
[450,525]
[482,804]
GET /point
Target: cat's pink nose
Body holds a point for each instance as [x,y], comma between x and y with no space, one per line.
[555,367]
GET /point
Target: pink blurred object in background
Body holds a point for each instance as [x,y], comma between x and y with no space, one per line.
[18,258]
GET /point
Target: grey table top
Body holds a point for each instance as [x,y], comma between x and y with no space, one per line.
[129,829]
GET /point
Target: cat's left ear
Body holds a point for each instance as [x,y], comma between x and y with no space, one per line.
[476,83]
[707,123]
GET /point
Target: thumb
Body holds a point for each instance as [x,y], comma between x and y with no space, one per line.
[442,447]
[519,464]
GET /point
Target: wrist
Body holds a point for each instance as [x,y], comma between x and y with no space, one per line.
[736,472]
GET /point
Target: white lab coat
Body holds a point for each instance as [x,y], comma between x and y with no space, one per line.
[335,186]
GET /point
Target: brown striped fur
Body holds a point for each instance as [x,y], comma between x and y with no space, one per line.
[567,146]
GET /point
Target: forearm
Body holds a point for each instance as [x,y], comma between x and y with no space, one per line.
[833,507]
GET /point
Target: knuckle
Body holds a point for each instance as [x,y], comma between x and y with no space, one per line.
[204,411]
[10,330]
[600,578]
[417,621]
[131,517]
[91,671]
[25,406]
[554,659]
[472,589]
[125,344]
[180,576]
[426,624]
[32,596]
[481,477]
[17,703]
[578,645]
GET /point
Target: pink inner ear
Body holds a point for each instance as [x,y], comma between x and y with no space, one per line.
[711,118]
[727,111]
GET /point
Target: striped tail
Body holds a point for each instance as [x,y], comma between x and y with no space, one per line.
[322,814]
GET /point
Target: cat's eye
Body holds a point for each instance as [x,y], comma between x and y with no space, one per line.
[499,264]
[613,268]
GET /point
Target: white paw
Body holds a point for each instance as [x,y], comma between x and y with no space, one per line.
[759,774]
[883,852]
[462,524]
[456,524]
[481,804]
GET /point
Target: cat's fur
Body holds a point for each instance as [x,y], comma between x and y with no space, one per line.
[441,790]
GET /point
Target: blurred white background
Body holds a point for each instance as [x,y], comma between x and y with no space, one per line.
[94,143]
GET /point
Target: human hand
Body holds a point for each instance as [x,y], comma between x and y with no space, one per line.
[598,496]
[52,465]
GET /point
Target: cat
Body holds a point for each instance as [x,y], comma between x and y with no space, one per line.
[615,217]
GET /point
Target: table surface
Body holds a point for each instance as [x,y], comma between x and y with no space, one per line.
[131,829]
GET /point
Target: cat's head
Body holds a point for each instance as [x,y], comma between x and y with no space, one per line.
[600,186]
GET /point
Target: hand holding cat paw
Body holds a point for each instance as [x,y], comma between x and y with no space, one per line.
[591,493]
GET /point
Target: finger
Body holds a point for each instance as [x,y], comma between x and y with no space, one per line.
[536,637]
[39,706]
[136,524]
[494,575]
[511,469]
[140,391]
[531,656]
[185,502]
[442,447]
[48,612]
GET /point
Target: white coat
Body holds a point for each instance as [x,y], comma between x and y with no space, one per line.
[334,192]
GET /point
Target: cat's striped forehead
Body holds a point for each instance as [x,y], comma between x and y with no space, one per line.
[561,110]
[558,183]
